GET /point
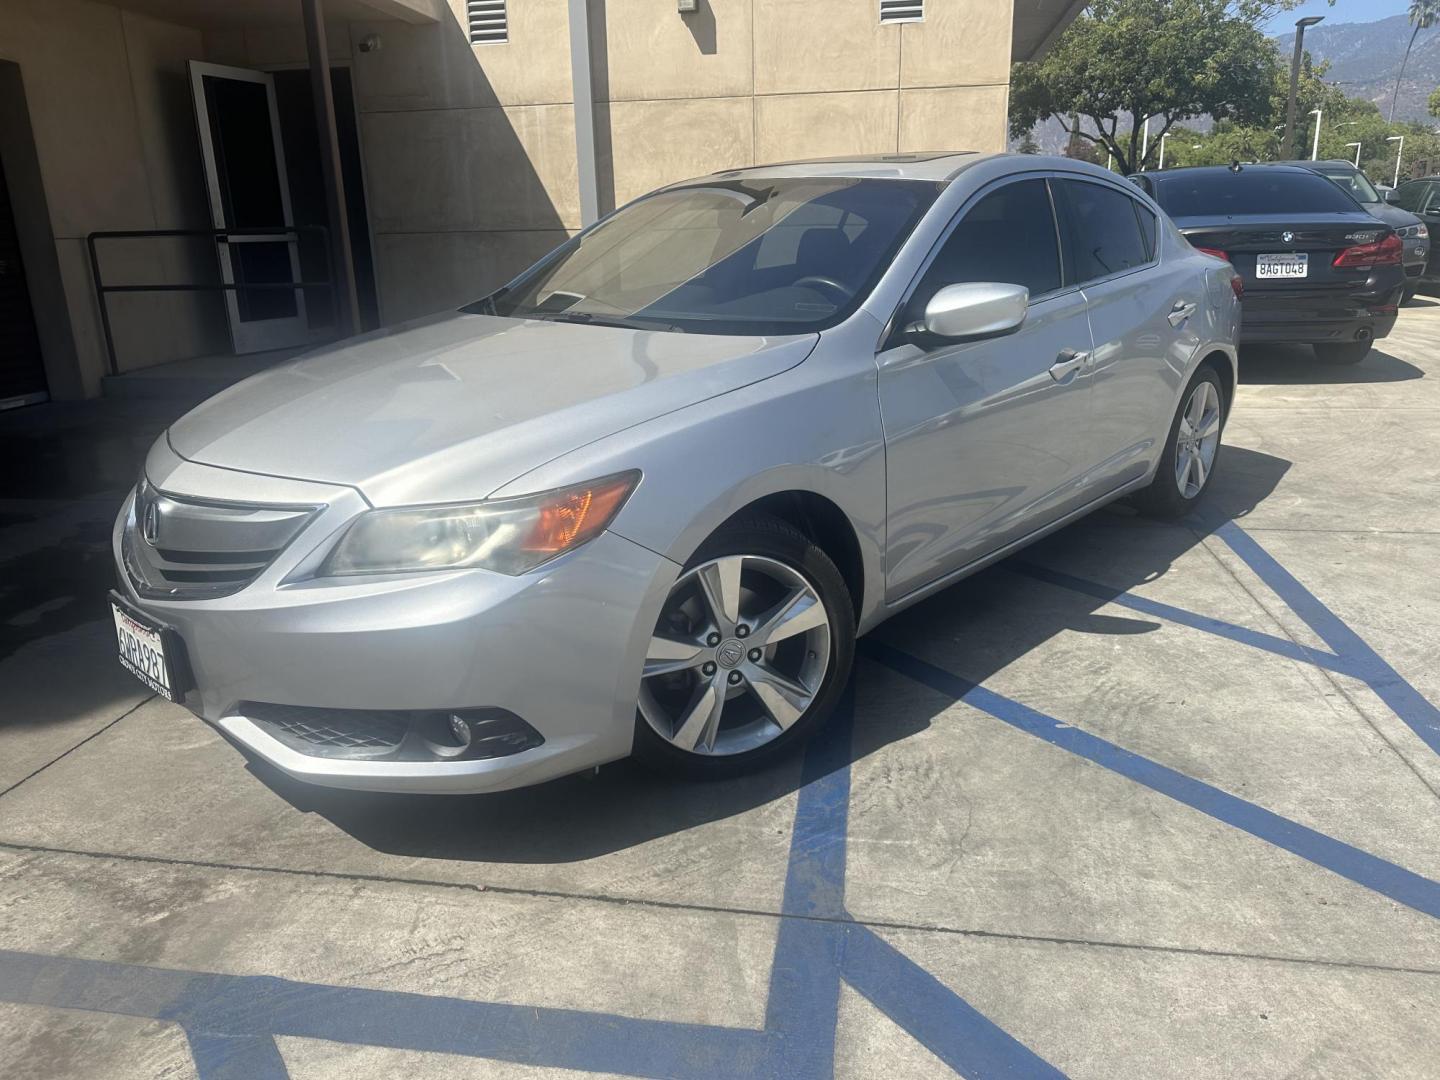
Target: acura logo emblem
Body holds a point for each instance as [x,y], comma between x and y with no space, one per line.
[730,654]
[150,524]
[1287,236]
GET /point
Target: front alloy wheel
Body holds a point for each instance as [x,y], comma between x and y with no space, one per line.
[746,652]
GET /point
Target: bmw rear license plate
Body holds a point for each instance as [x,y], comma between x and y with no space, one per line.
[147,649]
[1295,264]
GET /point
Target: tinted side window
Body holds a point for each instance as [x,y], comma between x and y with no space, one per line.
[1101,229]
[1149,229]
[1008,236]
[1409,196]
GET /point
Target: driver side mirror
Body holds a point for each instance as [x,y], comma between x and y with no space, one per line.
[975,309]
[1388,194]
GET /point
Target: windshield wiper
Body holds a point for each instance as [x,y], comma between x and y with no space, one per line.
[586,318]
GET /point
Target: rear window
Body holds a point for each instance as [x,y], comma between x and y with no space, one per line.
[1356,184]
[1250,191]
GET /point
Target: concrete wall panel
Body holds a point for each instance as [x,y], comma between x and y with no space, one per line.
[472,169]
[802,46]
[954,118]
[960,43]
[651,51]
[436,67]
[794,126]
[424,272]
[659,142]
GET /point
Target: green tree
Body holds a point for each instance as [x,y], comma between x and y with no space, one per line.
[1434,103]
[1423,15]
[1165,59]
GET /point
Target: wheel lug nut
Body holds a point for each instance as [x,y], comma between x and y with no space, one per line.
[713,639]
[708,669]
[734,677]
[755,655]
[742,630]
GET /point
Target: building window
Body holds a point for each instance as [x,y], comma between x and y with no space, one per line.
[898,11]
[488,22]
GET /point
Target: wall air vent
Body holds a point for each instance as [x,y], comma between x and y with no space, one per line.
[488,22]
[899,11]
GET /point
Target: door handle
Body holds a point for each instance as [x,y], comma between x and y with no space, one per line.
[1180,312]
[1066,363]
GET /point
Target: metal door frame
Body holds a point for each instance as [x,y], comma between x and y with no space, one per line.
[254,335]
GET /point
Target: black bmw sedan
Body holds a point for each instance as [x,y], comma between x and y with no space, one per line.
[1317,268]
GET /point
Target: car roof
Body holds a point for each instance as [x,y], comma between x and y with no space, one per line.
[1220,170]
[1314,166]
[938,166]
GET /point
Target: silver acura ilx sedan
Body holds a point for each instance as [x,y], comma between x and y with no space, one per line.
[643,498]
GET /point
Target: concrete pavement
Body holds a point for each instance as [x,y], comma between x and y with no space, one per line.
[1147,800]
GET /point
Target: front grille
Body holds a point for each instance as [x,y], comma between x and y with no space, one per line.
[177,548]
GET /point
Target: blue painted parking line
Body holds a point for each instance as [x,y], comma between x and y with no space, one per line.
[1386,878]
[232,1021]
[1404,700]
[1219,627]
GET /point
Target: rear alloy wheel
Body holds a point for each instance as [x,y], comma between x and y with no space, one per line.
[1348,352]
[1188,462]
[749,654]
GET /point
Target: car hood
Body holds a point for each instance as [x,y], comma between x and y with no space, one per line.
[452,407]
[1393,216]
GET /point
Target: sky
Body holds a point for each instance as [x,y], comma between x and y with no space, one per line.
[1343,11]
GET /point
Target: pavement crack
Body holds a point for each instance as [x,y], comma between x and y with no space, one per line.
[93,735]
[716,909]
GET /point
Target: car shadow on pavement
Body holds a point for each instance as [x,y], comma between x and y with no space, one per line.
[622,805]
[1297,365]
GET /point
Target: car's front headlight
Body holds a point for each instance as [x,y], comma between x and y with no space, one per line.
[510,536]
[1415,231]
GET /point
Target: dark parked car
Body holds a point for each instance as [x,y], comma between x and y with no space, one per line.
[1421,198]
[1412,231]
[1317,269]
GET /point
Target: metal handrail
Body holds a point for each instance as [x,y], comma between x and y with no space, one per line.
[220,236]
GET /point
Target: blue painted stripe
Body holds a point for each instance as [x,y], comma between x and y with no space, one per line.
[232,1057]
[1243,635]
[248,1007]
[1404,700]
[1388,879]
[949,1027]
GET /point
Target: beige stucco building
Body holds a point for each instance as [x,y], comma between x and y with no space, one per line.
[467,141]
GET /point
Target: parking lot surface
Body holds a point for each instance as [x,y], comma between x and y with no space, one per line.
[1146,800]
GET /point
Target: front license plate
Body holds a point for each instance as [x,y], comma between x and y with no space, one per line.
[1289,265]
[142,651]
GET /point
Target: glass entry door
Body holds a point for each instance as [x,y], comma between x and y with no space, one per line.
[244,158]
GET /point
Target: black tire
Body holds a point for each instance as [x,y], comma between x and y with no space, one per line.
[1347,352]
[1163,498]
[766,536]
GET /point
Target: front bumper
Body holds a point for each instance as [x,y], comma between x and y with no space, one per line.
[561,648]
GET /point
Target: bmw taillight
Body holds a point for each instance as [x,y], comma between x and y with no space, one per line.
[1213,251]
[1237,286]
[1385,252]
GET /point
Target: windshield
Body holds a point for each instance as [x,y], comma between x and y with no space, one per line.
[1357,184]
[777,256]
[1250,192]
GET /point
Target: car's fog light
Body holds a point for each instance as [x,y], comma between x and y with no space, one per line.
[461,729]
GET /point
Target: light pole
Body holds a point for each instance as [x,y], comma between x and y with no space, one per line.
[1357,152]
[1144,144]
[1289,141]
[1319,115]
[1399,153]
[1162,149]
